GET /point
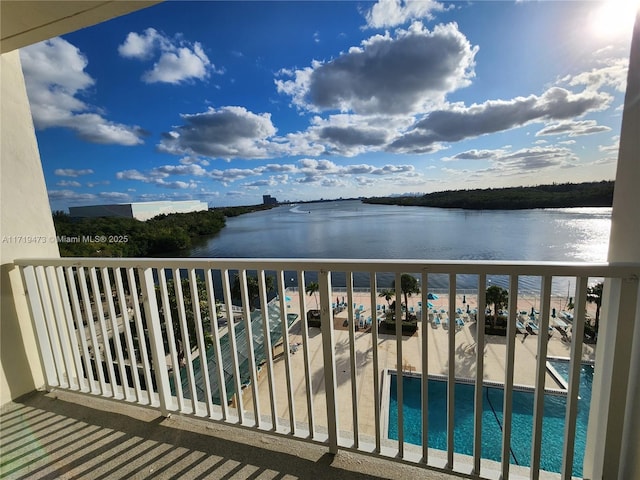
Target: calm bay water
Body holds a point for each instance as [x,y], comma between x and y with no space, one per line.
[352,229]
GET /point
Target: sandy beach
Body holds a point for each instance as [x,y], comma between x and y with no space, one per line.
[412,351]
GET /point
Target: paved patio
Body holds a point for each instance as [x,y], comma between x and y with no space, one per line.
[65,435]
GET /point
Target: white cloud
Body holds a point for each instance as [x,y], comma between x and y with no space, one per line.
[70,196]
[158,176]
[95,184]
[141,46]
[115,196]
[227,133]
[573,128]
[390,13]
[459,122]
[406,73]
[55,76]
[177,60]
[613,74]
[68,183]
[612,148]
[134,175]
[475,155]
[505,162]
[72,172]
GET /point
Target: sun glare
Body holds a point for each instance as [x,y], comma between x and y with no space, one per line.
[613,18]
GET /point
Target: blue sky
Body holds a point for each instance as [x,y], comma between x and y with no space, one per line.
[226,101]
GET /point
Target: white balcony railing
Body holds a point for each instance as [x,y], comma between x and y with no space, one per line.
[126,330]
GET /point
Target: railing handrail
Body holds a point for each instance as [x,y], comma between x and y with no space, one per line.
[484,267]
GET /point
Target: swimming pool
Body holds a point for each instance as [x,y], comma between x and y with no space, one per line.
[522,419]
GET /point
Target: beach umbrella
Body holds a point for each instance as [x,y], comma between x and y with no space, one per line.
[432,296]
[429,304]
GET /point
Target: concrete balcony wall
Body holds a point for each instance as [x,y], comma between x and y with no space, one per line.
[26,228]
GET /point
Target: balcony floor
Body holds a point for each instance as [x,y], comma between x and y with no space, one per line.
[71,436]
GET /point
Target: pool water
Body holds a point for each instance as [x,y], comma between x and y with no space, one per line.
[522,419]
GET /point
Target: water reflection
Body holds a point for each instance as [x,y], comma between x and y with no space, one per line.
[351,229]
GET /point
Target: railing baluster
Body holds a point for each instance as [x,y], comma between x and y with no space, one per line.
[97,355]
[478,403]
[215,332]
[140,333]
[39,322]
[305,351]
[326,325]
[251,357]
[126,321]
[541,374]
[226,290]
[352,365]
[202,350]
[268,348]
[399,362]
[425,367]
[115,334]
[67,314]
[60,330]
[45,298]
[508,376]
[451,374]
[286,349]
[82,334]
[186,340]
[577,334]
[171,338]
[97,296]
[376,365]
[152,317]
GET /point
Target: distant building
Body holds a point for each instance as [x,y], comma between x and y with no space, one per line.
[269,200]
[140,210]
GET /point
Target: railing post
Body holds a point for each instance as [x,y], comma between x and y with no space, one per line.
[326,322]
[611,379]
[152,317]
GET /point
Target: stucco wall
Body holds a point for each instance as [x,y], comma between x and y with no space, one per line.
[26,230]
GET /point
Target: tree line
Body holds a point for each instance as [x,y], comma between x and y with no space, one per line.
[588,194]
[128,237]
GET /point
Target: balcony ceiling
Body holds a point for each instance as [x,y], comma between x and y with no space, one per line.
[26,22]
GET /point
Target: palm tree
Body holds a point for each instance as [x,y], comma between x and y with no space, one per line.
[498,297]
[312,289]
[594,295]
[408,286]
[387,294]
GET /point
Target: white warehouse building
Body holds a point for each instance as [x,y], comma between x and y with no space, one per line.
[139,210]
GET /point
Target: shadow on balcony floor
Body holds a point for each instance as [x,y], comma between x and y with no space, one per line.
[70,436]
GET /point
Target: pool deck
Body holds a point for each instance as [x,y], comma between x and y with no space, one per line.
[437,351]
